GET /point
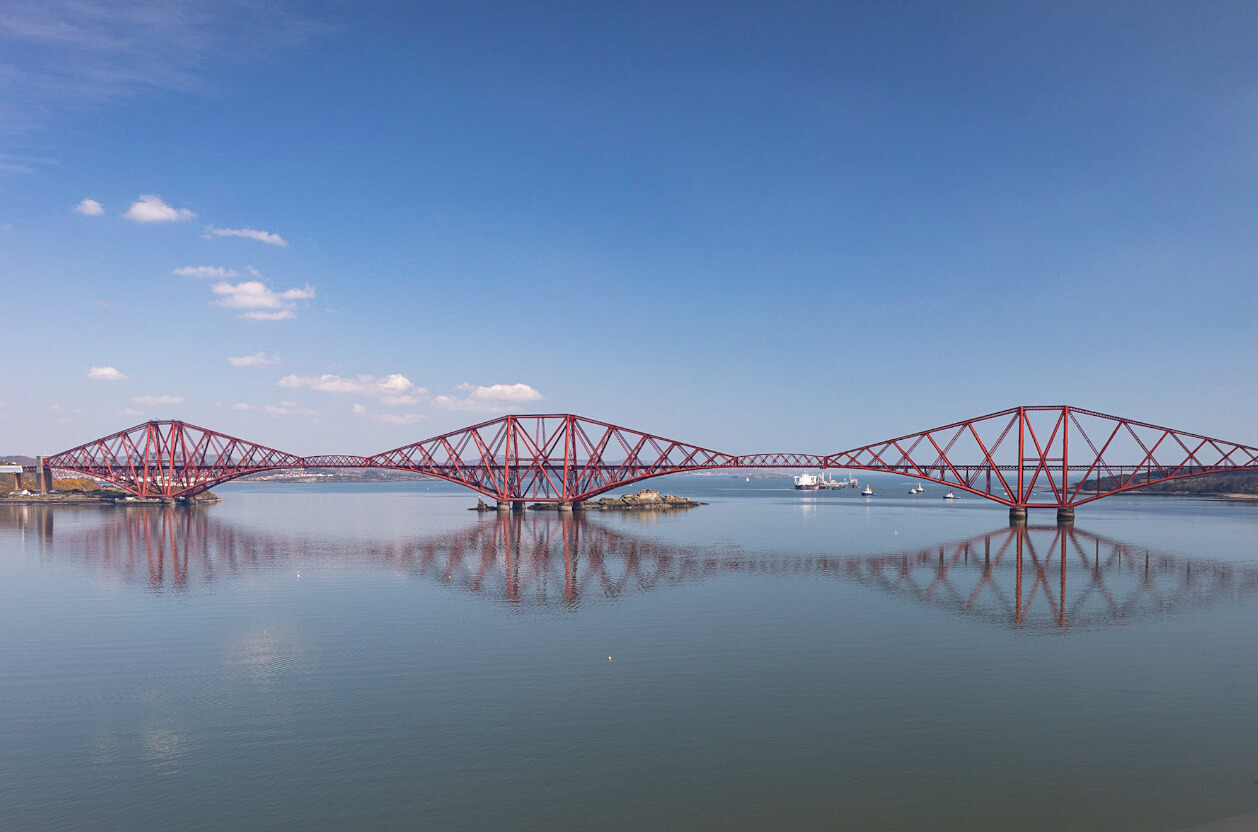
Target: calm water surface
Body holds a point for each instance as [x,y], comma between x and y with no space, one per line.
[378,657]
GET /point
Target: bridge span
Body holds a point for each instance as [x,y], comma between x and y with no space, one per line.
[1028,457]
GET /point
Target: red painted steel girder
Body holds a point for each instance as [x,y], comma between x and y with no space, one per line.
[335,461]
[781,460]
[170,459]
[549,458]
[1024,457]
[1049,456]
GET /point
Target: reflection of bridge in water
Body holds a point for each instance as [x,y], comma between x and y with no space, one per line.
[1036,576]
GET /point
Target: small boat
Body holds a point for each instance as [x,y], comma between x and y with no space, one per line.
[868,492]
[950,496]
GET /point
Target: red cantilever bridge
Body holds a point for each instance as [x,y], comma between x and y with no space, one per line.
[1024,457]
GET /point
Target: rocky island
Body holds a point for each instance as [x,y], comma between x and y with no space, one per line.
[644,500]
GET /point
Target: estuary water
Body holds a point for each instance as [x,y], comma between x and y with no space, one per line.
[377,657]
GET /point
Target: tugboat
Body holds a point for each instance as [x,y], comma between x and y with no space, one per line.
[807,482]
[868,492]
[950,496]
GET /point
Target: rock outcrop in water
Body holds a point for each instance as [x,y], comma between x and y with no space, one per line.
[644,500]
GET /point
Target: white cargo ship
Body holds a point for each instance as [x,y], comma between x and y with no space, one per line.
[807,482]
[812,482]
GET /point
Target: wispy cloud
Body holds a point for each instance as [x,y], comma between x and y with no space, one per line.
[155,400]
[90,208]
[62,414]
[395,388]
[206,271]
[131,411]
[152,208]
[260,302]
[388,418]
[281,409]
[105,374]
[64,55]
[249,234]
[10,163]
[496,398]
[258,359]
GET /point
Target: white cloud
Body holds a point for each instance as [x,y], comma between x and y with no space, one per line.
[152,400]
[249,234]
[281,409]
[258,359]
[496,398]
[395,389]
[260,302]
[206,271]
[151,208]
[105,374]
[388,418]
[90,208]
[131,411]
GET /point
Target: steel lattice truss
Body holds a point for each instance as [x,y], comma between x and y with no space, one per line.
[1046,577]
[175,459]
[1049,457]
[552,458]
[1024,457]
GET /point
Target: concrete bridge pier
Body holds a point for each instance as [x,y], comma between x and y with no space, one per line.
[504,505]
[565,506]
[1017,515]
[517,505]
[43,476]
[1066,516]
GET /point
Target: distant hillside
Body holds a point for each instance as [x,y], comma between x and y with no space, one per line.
[18,459]
[1240,482]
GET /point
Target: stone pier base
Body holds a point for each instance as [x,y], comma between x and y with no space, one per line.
[1017,516]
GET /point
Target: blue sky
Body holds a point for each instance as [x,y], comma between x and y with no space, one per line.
[800,226]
